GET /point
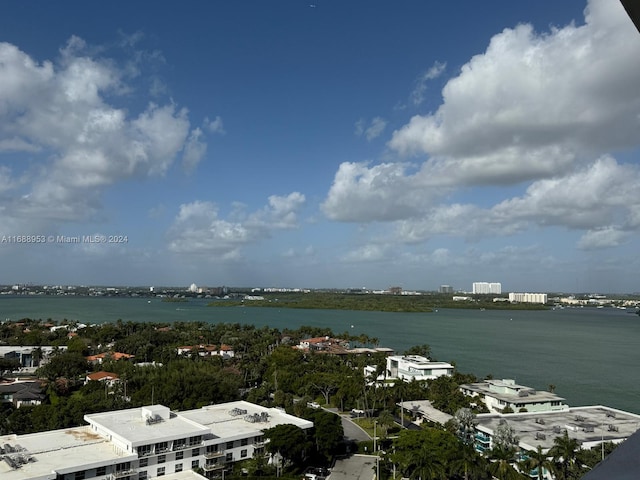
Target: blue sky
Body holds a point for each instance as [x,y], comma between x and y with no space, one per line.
[325,144]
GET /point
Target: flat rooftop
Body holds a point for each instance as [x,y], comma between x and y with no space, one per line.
[45,452]
[131,425]
[240,419]
[426,410]
[528,394]
[589,425]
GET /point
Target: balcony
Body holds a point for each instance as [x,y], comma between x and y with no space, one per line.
[123,474]
[217,454]
[210,467]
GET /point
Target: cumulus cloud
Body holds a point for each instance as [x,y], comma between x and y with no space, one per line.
[384,192]
[536,112]
[602,238]
[198,228]
[560,96]
[64,113]
[601,199]
[372,130]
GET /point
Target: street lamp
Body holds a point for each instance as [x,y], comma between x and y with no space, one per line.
[375,422]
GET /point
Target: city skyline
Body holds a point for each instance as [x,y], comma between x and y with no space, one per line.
[275,144]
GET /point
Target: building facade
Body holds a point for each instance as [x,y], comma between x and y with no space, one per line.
[143,443]
[416,367]
[528,298]
[499,395]
[486,288]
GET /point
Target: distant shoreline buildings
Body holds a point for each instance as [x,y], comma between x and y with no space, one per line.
[486,288]
[528,298]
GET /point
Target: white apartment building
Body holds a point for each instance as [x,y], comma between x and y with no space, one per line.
[500,394]
[590,425]
[485,288]
[528,297]
[416,367]
[143,443]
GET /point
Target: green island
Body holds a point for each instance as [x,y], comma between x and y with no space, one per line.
[175,299]
[373,303]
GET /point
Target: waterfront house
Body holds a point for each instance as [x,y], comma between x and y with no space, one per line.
[499,395]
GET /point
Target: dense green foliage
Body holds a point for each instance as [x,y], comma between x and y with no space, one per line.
[267,370]
[370,302]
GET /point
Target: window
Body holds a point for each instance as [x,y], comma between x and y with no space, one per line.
[243,453]
[179,455]
[143,462]
[229,457]
[142,475]
[195,464]
[162,447]
[229,444]
[144,450]
[160,471]
[195,452]
[179,443]
[162,458]
[79,475]
[101,471]
[178,467]
[123,467]
[244,441]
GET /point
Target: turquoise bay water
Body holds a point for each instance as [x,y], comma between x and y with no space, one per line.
[590,355]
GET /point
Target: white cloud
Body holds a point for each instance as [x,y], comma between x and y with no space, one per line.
[198,229]
[194,150]
[383,192]
[367,253]
[373,130]
[215,126]
[62,112]
[418,94]
[560,96]
[598,196]
[535,111]
[602,238]
[602,199]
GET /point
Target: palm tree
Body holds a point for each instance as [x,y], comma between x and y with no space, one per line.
[425,464]
[537,460]
[564,452]
[469,464]
[385,420]
[501,466]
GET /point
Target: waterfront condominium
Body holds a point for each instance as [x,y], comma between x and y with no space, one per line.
[528,297]
[144,443]
[485,288]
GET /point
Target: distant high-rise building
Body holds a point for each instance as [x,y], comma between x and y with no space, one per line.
[485,288]
[528,297]
[445,289]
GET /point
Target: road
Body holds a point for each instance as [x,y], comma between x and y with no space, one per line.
[355,467]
